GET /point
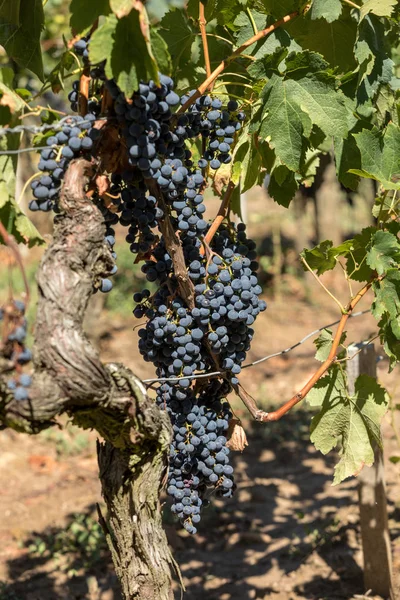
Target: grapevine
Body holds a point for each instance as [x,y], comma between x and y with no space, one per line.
[165,105]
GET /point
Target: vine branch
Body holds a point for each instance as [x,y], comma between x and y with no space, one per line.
[203,23]
[340,305]
[222,213]
[222,66]
[263,416]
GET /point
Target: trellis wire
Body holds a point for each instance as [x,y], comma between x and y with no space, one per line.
[260,360]
[40,129]
[45,127]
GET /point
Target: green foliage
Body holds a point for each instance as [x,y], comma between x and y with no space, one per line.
[350,421]
[330,10]
[79,544]
[11,215]
[128,53]
[324,343]
[380,155]
[21,23]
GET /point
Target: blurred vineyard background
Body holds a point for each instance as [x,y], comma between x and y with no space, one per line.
[287,534]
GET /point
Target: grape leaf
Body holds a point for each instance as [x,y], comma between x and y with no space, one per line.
[282,185]
[322,258]
[10,213]
[387,301]
[182,42]
[293,105]
[335,41]
[381,8]
[330,10]
[352,422]
[384,252]
[347,155]
[84,14]
[160,52]
[324,344]
[122,8]
[20,33]
[373,55]
[157,9]
[380,152]
[267,45]
[285,124]
[357,267]
[128,53]
[390,341]
[387,298]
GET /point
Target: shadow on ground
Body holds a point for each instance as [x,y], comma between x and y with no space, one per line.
[286,534]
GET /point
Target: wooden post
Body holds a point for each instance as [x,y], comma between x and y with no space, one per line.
[371,492]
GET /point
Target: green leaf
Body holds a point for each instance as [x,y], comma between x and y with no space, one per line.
[380,152]
[323,257]
[381,8]
[386,303]
[373,53]
[347,155]
[357,267]
[160,52]
[384,252]
[20,33]
[156,9]
[292,105]
[183,43]
[352,422]
[57,74]
[263,68]
[121,8]
[330,10]
[225,11]
[84,14]
[389,340]
[335,41]
[267,45]
[387,185]
[324,344]
[127,52]
[21,228]
[10,213]
[285,124]
[282,185]
[394,459]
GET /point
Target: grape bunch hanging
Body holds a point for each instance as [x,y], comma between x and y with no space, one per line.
[158,180]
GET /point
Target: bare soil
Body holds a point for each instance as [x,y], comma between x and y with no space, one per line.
[287,534]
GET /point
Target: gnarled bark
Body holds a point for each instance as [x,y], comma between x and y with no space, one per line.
[69,377]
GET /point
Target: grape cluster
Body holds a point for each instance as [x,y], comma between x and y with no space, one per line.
[75,139]
[199,456]
[158,178]
[14,349]
[216,125]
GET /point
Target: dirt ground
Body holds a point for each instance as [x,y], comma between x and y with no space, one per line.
[287,534]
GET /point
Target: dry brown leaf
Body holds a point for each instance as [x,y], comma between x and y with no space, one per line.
[237,439]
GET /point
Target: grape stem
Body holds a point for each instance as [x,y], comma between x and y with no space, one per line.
[11,243]
[223,211]
[317,279]
[260,415]
[202,24]
[222,66]
[174,248]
